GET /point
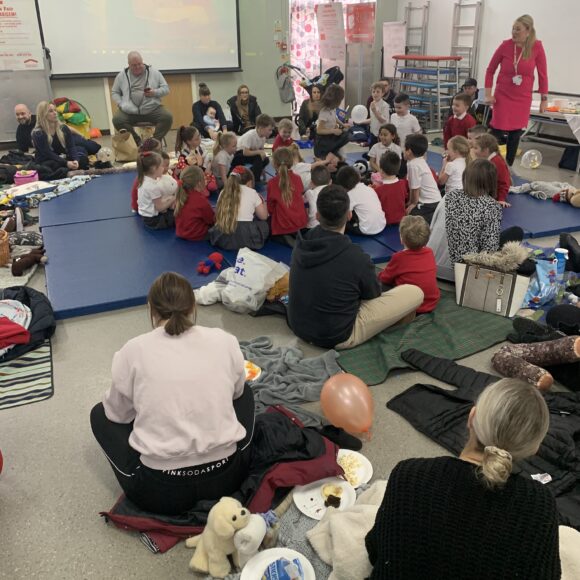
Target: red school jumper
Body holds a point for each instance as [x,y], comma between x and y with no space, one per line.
[504,179]
[286,219]
[415,267]
[279,142]
[456,126]
[195,218]
[393,197]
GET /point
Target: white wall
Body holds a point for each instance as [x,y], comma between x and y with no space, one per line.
[556,24]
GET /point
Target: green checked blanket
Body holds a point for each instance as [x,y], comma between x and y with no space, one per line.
[450,331]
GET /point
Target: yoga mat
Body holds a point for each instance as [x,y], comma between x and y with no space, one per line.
[450,331]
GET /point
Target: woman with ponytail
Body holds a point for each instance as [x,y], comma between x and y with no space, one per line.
[472,516]
[177,422]
[285,202]
[237,206]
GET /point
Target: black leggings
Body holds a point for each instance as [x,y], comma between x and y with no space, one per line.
[258,164]
[175,491]
[511,139]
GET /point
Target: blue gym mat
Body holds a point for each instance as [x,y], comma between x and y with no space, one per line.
[110,264]
[102,198]
[390,238]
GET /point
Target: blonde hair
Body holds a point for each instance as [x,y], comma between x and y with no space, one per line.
[285,124]
[510,422]
[460,145]
[414,232]
[377,85]
[528,22]
[228,203]
[222,141]
[43,124]
[296,153]
[192,177]
[283,160]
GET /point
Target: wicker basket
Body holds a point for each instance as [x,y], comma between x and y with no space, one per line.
[4,248]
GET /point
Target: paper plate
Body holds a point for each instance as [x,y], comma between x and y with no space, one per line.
[310,501]
[252,371]
[255,567]
[362,469]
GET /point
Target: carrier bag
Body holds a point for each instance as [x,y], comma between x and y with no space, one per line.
[124,146]
[489,290]
[284,82]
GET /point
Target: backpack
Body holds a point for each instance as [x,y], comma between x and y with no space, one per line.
[284,81]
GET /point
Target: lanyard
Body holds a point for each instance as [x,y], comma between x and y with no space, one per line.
[516,62]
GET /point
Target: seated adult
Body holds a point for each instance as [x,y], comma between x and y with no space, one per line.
[335,298]
[199,110]
[137,90]
[53,141]
[308,113]
[469,517]
[26,123]
[244,108]
[177,422]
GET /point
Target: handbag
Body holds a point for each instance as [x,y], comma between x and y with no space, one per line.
[124,146]
[489,290]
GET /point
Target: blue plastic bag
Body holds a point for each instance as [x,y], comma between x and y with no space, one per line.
[545,284]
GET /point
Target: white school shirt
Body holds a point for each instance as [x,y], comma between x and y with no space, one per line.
[328,117]
[251,140]
[222,158]
[148,191]
[249,201]
[365,202]
[310,198]
[378,150]
[384,112]
[167,185]
[454,169]
[302,169]
[406,125]
[420,176]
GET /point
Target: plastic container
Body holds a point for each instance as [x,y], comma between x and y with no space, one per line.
[24,176]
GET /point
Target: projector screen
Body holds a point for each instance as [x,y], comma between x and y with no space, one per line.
[93,37]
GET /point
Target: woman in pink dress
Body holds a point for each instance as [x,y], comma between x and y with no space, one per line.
[517,58]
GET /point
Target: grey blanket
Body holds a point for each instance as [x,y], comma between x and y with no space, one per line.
[288,378]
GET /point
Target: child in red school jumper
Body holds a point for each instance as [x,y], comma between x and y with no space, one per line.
[193,213]
[461,121]
[284,137]
[284,200]
[150,144]
[392,192]
[486,147]
[415,264]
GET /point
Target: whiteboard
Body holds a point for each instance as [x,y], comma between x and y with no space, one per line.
[394,37]
[556,23]
[93,37]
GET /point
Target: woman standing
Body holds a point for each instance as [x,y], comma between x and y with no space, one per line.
[517,58]
[244,108]
[177,422]
[470,517]
[54,142]
[308,114]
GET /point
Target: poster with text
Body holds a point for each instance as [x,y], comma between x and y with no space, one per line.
[360,23]
[330,23]
[394,40]
[20,44]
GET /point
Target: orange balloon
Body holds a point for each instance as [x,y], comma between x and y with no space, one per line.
[348,403]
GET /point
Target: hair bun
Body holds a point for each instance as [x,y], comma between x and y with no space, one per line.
[201,85]
[497,451]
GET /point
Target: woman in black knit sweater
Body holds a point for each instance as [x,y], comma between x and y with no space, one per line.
[469,517]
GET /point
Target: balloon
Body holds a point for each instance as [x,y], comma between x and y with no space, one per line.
[531,159]
[348,403]
[359,114]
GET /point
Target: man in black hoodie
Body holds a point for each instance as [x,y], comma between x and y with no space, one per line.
[335,298]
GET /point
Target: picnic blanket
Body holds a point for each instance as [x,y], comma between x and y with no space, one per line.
[288,378]
[450,331]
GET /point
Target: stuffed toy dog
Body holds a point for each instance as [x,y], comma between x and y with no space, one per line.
[216,543]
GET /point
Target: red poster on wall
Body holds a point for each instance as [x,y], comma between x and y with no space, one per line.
[360,23]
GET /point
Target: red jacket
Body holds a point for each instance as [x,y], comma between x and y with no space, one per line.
[286,219]
[393,197]
[195,217]
[504,179]
[455,126]
[279,142]
[415,267]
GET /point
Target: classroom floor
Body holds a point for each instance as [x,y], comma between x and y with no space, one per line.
[56,480]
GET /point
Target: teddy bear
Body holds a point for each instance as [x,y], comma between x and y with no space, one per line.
[216,543]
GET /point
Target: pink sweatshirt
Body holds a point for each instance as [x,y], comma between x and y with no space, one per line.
[179,391]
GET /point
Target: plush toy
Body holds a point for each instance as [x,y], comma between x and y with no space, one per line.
[26,261]
[104,158]
[249,539]
[280,288]
[214,261]
[571,196]
[216,543]
[361,166]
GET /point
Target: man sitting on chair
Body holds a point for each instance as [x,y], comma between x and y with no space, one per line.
[137,90]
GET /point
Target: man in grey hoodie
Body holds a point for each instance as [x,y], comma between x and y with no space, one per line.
[137,90]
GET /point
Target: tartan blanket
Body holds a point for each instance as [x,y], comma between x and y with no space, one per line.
[450,331]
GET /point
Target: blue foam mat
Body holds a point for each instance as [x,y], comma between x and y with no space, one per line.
[390,238]
[102,198]
[110,264]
